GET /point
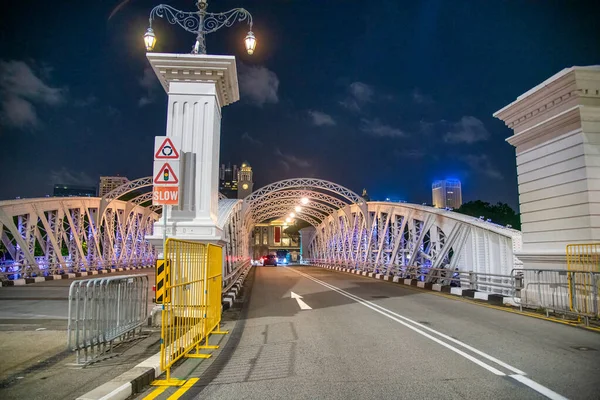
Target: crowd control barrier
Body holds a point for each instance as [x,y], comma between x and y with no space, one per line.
[103,312]
[191,309]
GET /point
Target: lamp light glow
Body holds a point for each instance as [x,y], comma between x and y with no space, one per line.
[149,39]
[250,42]
[304,200]
[298,209]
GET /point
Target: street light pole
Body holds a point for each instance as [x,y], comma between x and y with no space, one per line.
[200,23]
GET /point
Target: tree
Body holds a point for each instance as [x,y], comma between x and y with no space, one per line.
[500,213]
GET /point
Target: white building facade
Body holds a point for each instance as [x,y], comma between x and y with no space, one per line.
[557,141]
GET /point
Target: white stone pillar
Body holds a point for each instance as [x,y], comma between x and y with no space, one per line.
[557,139]
[198,86]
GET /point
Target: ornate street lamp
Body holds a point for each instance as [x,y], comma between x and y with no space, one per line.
[200,23]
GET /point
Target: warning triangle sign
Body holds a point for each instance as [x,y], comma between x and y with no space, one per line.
[166,151]
[166,176]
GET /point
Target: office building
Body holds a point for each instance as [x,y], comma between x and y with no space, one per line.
[109,183]
[447,193]
[61,190]
[228,181]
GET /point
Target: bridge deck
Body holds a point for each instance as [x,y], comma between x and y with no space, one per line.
[372,339]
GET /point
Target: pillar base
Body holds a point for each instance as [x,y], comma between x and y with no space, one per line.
[543,259]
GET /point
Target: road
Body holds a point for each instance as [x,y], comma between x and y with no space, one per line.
[365,339]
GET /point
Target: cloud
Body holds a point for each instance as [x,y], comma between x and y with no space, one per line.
[288,160]
[421,98]
[88,101]
[149,83]
[145,100]
[376,128]
[259,84]
[359,94]
[246,136]
[468,130]
[483,165]
[409,153]
[320,118]
[68,177]
[21,91]
[19,113]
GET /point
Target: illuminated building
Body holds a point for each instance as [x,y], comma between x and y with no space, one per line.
[446,193]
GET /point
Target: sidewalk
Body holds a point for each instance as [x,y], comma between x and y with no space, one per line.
[36,365]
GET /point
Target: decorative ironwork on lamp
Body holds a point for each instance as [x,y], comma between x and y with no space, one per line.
[200,23]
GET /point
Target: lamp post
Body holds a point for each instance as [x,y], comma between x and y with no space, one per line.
[198,85]
[200,23]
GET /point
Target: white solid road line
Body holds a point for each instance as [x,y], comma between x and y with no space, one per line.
[407,323]
[303,305]
[538,388]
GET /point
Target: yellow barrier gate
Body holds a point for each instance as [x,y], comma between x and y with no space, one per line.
[191,311]
[583,264]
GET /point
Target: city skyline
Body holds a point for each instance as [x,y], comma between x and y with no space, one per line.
[421,99]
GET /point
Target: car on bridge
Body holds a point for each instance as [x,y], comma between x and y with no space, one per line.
[270,259]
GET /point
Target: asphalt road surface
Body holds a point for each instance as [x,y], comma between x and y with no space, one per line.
[351,337]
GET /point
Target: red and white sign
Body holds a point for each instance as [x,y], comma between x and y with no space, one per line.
[165,174]
[165,195]
[166,170]
[166,148]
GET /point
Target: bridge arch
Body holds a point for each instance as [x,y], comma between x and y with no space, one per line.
[400,239]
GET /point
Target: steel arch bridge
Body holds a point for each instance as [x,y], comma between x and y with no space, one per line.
[58,235]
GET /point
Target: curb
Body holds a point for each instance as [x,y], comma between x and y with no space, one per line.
[70,275]
[229,297]
[485,297]
[128,383]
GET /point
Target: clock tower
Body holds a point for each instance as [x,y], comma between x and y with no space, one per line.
[245,184]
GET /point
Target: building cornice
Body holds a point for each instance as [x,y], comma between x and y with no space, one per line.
[220,70]
[569,85]
[557,122]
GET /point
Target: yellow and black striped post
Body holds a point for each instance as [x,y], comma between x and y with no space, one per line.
[162,275]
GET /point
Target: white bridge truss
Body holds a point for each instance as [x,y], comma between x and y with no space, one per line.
[383,237]
[397,238]
[58,235]
[50,236]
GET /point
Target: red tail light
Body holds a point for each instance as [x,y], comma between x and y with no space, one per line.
[154,288]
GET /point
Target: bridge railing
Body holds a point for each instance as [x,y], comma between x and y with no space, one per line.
[575,293]
[231,278]
[12,270]
[484,282]
[103,311]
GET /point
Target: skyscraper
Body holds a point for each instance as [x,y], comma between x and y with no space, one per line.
[446,193]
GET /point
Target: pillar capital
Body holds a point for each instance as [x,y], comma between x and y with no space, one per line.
[556,135]
[199,68]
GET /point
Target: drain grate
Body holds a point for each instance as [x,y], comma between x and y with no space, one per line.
[380,297]
[583,348]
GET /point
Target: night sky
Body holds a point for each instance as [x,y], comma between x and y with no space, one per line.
[383,95]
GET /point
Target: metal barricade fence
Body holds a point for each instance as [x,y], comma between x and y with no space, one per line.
[191,311]
[568,292]
[103,311]
[582,258]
